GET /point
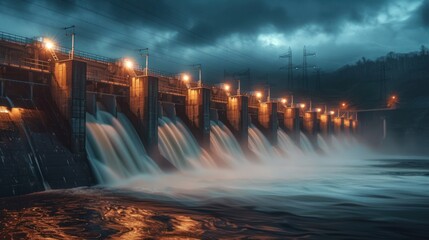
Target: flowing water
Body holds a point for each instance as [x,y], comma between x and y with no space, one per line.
[348,192]
[305,143]
[224,145]
[319,199]
[177,145]
[114,148]
[260,145]
[287,145]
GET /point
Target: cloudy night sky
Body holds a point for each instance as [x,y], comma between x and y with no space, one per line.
[228,35]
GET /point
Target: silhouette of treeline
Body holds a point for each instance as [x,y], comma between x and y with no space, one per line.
[368,83]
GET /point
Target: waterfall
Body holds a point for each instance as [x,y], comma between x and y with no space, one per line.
[259,144]
[305,143]
[178,146]
[224,144]
[286,144]
[321,142]
[114,148]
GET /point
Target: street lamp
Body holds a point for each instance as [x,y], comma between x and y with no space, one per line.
[198,66]
[185,77]
[128,64]
[284,100]
[258,95]
[226,87]
[49,44]
[302,105]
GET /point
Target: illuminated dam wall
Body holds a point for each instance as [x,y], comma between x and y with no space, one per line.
[78,122]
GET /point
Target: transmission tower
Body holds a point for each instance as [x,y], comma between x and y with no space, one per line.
[305,54]
[288,55]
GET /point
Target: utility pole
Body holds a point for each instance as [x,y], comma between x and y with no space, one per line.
[145,52]
[200,82]
[72,37]
[305,54]
[288,55]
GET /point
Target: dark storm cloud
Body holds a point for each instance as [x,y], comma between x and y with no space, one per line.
[204,22]
[424,11]
[218,19]
[196,30]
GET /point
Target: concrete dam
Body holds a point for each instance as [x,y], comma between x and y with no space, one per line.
[69,120]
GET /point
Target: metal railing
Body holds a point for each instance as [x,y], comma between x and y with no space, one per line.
[15,38]
[85,55]
[98,76]
[27,63]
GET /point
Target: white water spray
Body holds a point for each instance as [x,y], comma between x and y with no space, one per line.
[114,149]
[224,144]
[177,145]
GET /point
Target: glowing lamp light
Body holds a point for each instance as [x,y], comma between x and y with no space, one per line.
[3,109]
[332,112]
[343,104]
[185,77]
[49,44]
[393,97]
[318,110]
[284,100]
[302,105]
[226,87]
[128,64]
[258,95]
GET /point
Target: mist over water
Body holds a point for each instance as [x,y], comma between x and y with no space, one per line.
[342,190]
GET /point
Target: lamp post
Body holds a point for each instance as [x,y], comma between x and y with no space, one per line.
[72,38]
[200,83]
[146,54]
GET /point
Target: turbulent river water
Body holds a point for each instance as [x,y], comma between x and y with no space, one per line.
[310,198]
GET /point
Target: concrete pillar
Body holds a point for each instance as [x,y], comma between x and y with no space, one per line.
[198,114]
[2,89]
[267,118]
[31,91]
[354,126]
[91,103]
[348,125]
[144,105]
[238,117]
[338,125]
[291,123]
[326,124]
[68,90]
[310,123]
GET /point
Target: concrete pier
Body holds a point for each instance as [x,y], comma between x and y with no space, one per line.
[198,114]
[326,124]
[310,123]
[348,125]
[338,125]
[143,104]
[268,119]
[238,118]
[292,123]
[68,89]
